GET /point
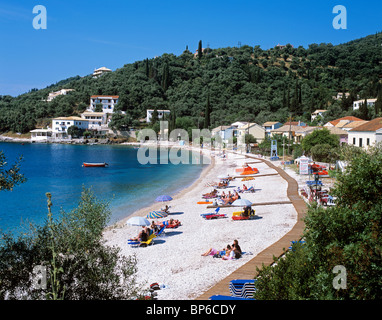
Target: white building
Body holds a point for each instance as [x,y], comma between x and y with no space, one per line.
[357,103]
[96,120]
[100,71]
[317,113]
[41,135]
[161,113]
[367,134]
[55,94]
[61,125]
[107,103]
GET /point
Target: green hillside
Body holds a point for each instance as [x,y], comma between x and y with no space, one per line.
[246,83]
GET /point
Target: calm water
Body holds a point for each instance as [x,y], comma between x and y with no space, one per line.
[57,168]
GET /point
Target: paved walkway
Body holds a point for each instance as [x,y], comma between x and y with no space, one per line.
[248,270]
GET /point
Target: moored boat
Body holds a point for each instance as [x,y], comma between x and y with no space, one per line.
[95,164]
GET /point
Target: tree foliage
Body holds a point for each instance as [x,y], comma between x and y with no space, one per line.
[320,137]
[348,234]
[10,177]
[244,83]
[73,250]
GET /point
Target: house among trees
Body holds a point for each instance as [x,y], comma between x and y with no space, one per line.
[103,103]
[367,134]
[55,94]
[317,113]
[161,114]
[100,71]
[357,104]
[341,95]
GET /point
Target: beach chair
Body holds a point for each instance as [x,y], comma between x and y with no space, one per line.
[161,230]
[243,288]
[149,241]
[222,297]
[142,243]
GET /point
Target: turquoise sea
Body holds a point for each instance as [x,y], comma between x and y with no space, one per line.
[57,168]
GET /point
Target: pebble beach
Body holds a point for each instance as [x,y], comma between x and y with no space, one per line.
[175,260]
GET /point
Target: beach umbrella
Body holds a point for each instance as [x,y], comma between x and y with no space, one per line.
[241,203]
[156,215]
[138,221]
[163,198]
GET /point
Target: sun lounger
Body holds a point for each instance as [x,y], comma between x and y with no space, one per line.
[149,241]
[142,243]
[243,288]
[222,297]
[161,230]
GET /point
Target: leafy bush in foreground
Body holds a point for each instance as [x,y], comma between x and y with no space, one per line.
[347,234]
[79,265]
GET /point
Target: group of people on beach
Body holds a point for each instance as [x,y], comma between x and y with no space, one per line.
[230,197]
[155,227]
[230,252]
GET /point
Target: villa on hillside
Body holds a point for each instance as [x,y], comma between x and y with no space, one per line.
[55,94]
[89,120]
[100,71]
[367,134]
[358,103]
[317,113]
[161,114]
[340,95]
[107,103]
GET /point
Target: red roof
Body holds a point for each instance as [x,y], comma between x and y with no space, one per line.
[104,96]
[372,125]
[350,118]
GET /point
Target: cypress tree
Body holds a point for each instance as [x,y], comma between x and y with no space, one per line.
[363,109]
[147,67]
[154,116]
[200,50]
[165,77]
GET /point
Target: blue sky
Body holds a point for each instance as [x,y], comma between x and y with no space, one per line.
[84,35]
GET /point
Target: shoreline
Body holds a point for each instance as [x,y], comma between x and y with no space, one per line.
[154,206]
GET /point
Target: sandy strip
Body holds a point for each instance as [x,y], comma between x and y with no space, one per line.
[175,260]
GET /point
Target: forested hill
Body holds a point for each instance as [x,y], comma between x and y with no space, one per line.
[246,83]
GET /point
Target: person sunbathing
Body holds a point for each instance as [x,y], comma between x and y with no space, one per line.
[245,187]
[213,251]
[142,236]
[211,194]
